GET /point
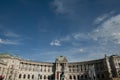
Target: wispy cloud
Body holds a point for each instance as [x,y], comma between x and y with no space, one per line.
[55,43]
[71,39]
[109,30]
[66,38]
[10,37]
[80,36]
[8,42]
[106,32]
[105,39]
[10,34]
[103,17]
[64,6]
[59,7]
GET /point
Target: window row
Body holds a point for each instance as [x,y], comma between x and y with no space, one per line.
[38,69]
[34,65]
[85,65]
[26,76]
[83,68]
[77,77]
[35,68]
[49,77]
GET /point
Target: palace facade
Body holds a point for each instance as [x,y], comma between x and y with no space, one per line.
[14,68]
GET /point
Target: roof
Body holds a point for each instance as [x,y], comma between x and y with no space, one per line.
[61,59]
[7,55]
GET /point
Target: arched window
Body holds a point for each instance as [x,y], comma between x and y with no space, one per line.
[48,77]
[10,77]
[44,76]
[24,76]
[78,77]
[32,76]
[74,77]
[40,76]
[20,75]
[28,76]
[70,77]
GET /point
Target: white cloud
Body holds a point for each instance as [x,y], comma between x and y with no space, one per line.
[71,39]
[81,50]
[2,41]
[105,40]
[109,30]
[103,17]
[55,43]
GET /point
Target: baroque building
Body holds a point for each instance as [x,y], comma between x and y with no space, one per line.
[14,68]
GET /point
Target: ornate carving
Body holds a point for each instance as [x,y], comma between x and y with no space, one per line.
[61,59]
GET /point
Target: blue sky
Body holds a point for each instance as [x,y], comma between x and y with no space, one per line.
[41,30]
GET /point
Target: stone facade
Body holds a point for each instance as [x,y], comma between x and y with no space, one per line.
[2,69]
[14,68]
